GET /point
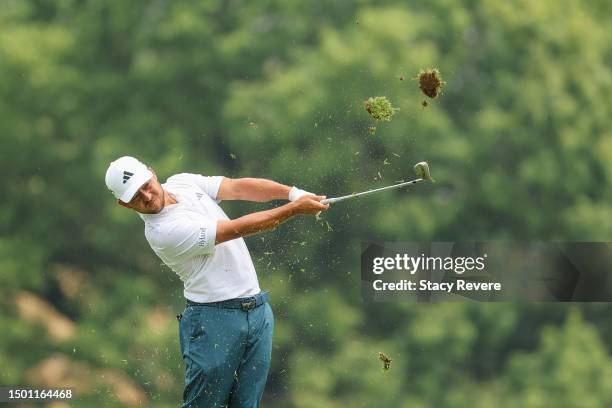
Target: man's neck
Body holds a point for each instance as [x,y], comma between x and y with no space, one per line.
[169,198]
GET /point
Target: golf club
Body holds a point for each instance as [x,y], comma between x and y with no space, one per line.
[421,169]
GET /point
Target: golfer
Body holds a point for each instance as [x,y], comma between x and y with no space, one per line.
[225,331]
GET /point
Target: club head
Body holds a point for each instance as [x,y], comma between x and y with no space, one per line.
[422,171]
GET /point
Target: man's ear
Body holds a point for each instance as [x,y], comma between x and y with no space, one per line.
[121,203]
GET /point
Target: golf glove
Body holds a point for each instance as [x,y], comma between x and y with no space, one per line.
[295,193]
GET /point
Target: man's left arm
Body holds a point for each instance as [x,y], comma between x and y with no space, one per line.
[256,189]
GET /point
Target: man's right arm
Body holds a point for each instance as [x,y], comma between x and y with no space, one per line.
[265,220]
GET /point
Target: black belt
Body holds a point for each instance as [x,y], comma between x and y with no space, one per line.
[246,303]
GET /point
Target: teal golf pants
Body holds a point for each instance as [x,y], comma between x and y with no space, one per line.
[227,347]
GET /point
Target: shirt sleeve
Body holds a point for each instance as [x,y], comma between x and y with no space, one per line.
[186,238]
[209,184]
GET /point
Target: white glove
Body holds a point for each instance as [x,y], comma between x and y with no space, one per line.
[295,193]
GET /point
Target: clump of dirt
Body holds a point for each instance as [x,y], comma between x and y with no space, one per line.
[385,359]
[380,108]
[431,82]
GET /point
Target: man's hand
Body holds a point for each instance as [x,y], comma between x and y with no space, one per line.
[309,204]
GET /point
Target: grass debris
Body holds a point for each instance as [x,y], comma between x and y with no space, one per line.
[380,108]
[385,360]
[430,83]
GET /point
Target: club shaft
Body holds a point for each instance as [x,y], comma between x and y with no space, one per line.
[346,197]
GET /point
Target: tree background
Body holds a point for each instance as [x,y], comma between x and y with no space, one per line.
[520,145]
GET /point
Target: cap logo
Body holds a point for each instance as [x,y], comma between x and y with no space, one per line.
[126,176]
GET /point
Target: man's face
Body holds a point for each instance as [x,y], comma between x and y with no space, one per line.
[149,199]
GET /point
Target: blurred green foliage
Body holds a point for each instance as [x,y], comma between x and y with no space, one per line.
[520,145]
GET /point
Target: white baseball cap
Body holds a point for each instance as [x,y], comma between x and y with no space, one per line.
[125,176]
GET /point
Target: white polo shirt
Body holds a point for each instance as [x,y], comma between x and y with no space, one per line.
[183,236]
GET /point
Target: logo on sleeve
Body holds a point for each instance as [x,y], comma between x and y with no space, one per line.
[126,176]
[199,195]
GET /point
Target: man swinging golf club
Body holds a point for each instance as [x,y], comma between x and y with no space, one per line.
[226,329]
